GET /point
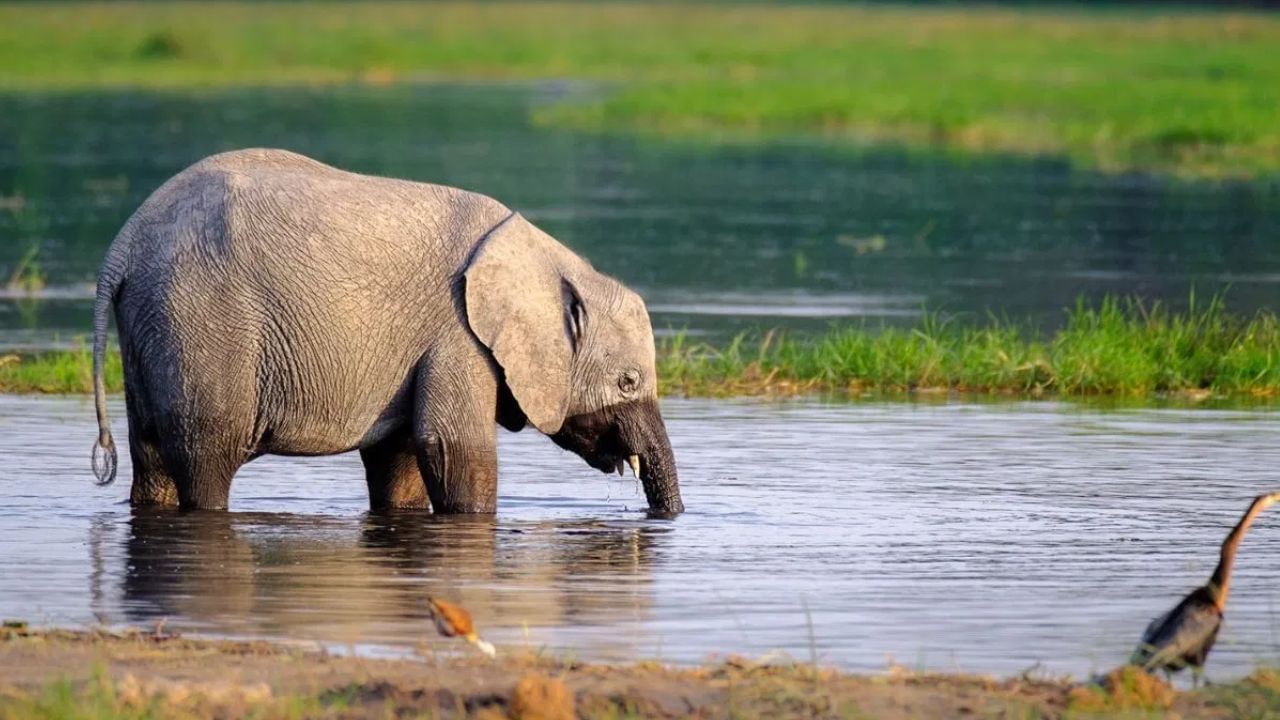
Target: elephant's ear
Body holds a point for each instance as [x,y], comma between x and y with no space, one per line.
[515,298]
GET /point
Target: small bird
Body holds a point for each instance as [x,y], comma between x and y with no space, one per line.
[1184,636]
[454,621]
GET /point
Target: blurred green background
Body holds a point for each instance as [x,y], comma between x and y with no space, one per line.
[1182,90]
[744,165]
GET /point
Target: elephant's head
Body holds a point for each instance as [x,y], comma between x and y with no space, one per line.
[576,352]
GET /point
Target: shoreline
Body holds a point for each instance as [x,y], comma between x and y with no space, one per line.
[1121,350]
[758,72]
[149,673]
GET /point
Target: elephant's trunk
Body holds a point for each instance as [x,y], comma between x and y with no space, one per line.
[645,434]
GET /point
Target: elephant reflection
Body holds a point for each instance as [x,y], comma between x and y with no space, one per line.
[325,578]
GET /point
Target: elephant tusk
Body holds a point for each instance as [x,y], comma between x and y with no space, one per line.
[634,462]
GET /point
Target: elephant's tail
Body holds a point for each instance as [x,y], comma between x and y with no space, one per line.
[110,277]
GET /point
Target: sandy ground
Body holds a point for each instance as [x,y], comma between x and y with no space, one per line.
[56,673]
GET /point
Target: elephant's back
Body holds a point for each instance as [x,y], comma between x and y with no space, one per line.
[262,220]
[276,201]
[249,159]
[311,290]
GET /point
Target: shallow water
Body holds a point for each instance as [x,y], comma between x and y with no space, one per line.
[982,538]
[716,237]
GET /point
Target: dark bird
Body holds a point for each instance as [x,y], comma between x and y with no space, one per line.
[1183,636]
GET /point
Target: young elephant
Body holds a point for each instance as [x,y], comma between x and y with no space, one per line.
[270,304]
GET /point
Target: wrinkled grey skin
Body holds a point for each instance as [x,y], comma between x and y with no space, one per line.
[270,304]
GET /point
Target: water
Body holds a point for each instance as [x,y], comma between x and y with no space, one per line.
[984,538]
[717,237]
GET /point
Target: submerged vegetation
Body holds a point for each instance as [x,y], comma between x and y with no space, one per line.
[26,277]
[1185,91]
[1116,348]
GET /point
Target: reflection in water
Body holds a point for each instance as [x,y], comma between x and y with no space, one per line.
[981,537]
[328,578]
[716,237]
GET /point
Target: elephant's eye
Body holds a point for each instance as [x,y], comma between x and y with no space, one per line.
[628,381]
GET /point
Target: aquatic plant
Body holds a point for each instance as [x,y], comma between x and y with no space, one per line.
[27,278]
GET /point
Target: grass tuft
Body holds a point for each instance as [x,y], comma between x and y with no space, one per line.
[539,697]
[1257,697]
[1123,689]
[64,372]
[160,45]
[96,699]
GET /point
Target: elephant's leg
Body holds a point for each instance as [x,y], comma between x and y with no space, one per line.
[455,431]
[203,457]
[153,486]
[203,478]
[391,469]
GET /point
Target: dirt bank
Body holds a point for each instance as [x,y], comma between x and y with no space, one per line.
[55,673]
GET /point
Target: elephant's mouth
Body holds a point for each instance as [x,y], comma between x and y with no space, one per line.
[629,435]
[597,439]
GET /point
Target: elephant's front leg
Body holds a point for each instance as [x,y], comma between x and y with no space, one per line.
[454,429]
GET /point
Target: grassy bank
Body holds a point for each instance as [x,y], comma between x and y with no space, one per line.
[1118,348]
[57,674]
[1185,92]
[68,371]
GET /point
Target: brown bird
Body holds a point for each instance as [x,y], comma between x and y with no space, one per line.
[1184,636]
[453,620]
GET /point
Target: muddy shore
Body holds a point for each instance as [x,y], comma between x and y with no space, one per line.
[135,674]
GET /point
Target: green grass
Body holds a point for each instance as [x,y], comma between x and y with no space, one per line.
[1127,692]
[68,371]
[101,698]
[1118,348]
[796,691]
[1188,92]
[1256,698]
[63,700]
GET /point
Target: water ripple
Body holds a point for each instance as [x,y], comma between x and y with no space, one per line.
[980,537]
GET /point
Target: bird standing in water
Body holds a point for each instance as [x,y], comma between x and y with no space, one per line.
[454,621]
[1183,636]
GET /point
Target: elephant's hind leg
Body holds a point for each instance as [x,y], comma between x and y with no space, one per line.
[153,486]
[203,458]
[391,469]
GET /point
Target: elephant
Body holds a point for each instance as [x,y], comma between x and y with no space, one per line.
[268,303]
